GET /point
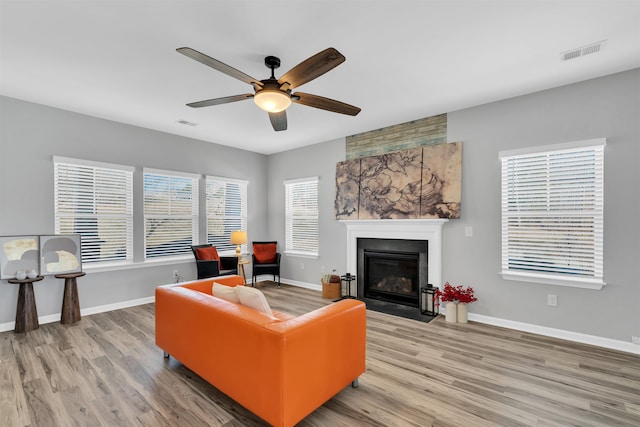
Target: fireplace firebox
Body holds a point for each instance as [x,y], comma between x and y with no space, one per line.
[391,276]
[392,270]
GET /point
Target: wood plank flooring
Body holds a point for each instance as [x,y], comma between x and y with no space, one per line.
[106,371]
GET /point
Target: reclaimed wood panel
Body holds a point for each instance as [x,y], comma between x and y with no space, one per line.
[413,134]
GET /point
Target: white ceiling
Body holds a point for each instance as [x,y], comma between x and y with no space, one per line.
[405,59]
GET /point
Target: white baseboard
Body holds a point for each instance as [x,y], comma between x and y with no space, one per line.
[558,333]
[312,286]
[50,318]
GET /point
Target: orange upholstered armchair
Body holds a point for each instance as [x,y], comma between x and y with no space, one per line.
[265,260]
[210,264]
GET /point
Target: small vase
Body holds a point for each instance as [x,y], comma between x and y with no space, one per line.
[32,274]
[463,313]
[451,312]
[21,275]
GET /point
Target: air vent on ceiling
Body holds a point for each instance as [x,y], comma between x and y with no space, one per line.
[187,123]
[582,51]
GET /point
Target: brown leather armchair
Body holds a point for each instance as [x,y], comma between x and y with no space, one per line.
[265,260]
[208,267]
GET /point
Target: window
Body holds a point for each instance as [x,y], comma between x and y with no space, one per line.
[170,213]
[301,216]
[226,211]
[95,200]
[552,214]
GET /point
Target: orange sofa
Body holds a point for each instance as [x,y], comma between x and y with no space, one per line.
[281,368]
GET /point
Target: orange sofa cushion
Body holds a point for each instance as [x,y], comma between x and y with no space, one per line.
[208,254]
[265,253]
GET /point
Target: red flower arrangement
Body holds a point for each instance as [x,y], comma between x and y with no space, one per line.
[455,293]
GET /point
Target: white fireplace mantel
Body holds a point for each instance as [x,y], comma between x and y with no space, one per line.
[408,229]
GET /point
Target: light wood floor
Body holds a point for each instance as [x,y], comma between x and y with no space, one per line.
[106,371]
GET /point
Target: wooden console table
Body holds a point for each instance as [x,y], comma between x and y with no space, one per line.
[26,312]
[70,302]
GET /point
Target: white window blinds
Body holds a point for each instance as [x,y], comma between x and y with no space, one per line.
[170,212]
[226,211]
[552,213]
[301,216]
[95,200]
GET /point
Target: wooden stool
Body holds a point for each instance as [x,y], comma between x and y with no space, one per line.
[26,312]
[70,302]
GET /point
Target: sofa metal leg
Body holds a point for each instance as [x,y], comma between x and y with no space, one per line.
[165,354]
[355,383]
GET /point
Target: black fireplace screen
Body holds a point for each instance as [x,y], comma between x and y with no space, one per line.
[392,277]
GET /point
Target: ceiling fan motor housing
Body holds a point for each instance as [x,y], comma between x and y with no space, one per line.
[272,62]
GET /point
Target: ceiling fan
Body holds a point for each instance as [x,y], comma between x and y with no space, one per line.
[274,95]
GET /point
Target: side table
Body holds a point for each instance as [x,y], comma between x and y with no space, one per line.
[241,264]
[70,302]
[26,312]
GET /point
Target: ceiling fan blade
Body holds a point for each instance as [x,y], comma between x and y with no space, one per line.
[218,101]
[217,65]
[324,103]
[312,67]
[278,120]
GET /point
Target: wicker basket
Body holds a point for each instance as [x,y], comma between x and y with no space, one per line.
[330,290]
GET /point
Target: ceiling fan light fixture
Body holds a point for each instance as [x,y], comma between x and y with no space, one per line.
[272,101]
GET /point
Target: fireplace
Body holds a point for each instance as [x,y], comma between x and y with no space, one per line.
[425,232]
[392,270]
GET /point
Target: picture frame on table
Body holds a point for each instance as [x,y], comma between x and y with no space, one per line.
[60,254]
[18,253]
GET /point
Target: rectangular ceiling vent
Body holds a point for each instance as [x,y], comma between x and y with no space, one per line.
[582,51]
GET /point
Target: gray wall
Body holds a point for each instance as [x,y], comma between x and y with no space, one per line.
[31,134]
[604,107]
[315,160]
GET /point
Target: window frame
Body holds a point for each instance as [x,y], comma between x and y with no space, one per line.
[583,228]
[290,218]
[125,183]
[226,248]
[178,253]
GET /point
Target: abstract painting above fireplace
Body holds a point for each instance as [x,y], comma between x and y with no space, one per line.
[417,183]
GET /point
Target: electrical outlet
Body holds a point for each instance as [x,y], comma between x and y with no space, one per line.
[552,300]
[468,231]
[322,269]
[175,273]
[635,339]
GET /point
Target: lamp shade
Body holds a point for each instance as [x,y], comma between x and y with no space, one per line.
[238,237]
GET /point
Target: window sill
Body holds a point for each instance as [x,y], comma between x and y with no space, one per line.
[301,254]
[549,279]
[88,268]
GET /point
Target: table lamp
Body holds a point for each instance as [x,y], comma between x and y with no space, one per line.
[238,238]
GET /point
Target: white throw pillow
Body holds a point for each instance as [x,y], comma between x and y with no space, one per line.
[226,292]
[254,298]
